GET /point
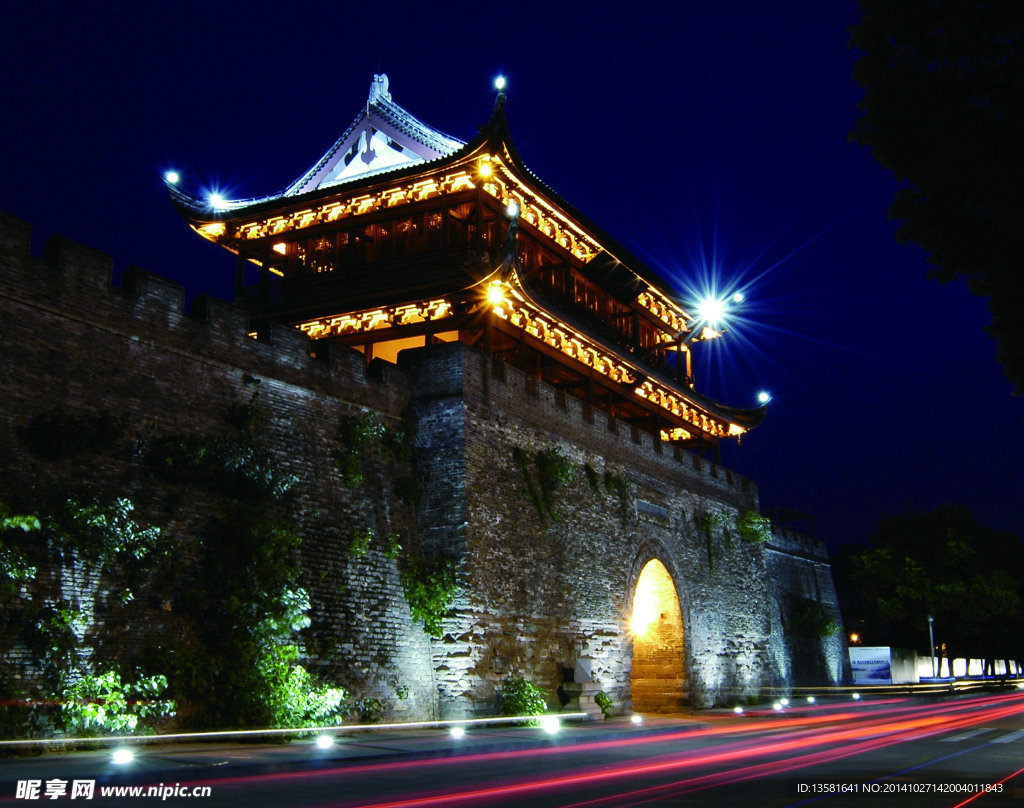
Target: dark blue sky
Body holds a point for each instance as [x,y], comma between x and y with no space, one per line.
[711,138]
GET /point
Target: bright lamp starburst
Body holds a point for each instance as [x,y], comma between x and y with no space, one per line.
[711,310]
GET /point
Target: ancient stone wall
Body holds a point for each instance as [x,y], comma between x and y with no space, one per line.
[548,571]
[547,588]
[808,644]
[69,340]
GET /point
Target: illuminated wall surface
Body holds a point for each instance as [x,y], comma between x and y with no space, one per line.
[658,678]
[541,589]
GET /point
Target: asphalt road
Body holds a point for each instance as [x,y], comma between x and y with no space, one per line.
[943,753]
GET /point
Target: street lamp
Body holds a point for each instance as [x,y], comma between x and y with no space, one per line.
[931,640]
[711,313]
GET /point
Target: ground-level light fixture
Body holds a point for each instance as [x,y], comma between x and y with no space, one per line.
[777,706]
[123,756]
[636,718]
[458,732]
[810,699]
[856,696]
[738,710]
[324,741]
[550,724]
[784,702]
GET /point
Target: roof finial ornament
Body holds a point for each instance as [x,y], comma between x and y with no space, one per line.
[379,89]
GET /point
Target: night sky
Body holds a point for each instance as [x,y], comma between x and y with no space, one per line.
[710,138]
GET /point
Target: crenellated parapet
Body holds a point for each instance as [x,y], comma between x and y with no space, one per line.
[76,283]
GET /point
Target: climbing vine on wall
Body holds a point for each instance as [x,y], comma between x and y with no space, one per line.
[707,522]
[235,463]
[809,618]
[243,596]
[553,471]
[430,586]
[625,491]
[76,694]
[430,589]
[357,436]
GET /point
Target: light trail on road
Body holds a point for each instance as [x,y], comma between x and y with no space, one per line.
[870,733]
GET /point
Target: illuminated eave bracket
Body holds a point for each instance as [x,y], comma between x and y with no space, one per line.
[516,310]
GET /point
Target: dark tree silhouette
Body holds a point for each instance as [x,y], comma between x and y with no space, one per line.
[942,110]
[945,564]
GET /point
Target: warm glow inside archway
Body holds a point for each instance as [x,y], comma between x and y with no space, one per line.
[658,680]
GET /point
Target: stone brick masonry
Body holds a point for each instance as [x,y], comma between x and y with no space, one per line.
[541,587]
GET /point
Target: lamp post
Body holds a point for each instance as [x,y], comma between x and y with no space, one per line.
[931,646]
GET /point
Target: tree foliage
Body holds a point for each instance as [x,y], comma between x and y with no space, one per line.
[943,81]
[946,565]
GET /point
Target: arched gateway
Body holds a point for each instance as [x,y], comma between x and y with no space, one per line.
[658,679]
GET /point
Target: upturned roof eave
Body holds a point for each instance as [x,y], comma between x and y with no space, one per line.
[497,135]
[197,211]
[493,137]
[746,417]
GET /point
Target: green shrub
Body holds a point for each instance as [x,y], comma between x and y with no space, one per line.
[604,701]
[754,528]
[521,697]
[103,703]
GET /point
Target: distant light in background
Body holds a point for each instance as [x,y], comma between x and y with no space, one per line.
[216,201]
[172,177]
[764,397]
[499,83]
[512,210]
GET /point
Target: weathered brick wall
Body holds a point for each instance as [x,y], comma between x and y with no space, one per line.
[539,591]
[69,340]
[799,574]
[543,592]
